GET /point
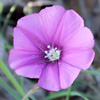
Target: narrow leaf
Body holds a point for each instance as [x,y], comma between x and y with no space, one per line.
[64,93]
[1,7]
[11,78]
[92,72]
[9,89]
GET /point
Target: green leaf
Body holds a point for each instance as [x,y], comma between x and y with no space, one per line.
[7,46]
[11,78]
[11,21]
[1,7]
[61,93]
[12,9]
[32,97]
[92,72]
[65,93]
[75,93]
[91,96]
[22,81]
[1,10]
[9,89]
[94,88]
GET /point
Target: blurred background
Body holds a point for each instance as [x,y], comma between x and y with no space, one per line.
[86,85]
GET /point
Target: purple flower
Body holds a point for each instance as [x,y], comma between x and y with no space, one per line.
[52,45]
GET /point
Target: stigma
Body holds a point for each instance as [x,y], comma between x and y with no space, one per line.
[52,54]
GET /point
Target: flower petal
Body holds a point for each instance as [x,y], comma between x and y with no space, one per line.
[81,59]
[30,71]
[22,42]
[49,78]
[70,24]
[22,61]
[51,17]
[31,25]
[82,39]
[67,74]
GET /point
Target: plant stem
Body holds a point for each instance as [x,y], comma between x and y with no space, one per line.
[69,92]
[31,92]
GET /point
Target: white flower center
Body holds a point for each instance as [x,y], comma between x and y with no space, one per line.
[52,54]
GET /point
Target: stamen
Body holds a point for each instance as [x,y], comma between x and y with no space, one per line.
[55,48]
[52,54]
[46,52]
[46,57]
[48,47]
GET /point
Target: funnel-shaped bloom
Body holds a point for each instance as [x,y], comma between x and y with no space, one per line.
[52,45]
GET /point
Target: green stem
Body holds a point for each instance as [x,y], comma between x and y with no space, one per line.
[11,78]
[69,92]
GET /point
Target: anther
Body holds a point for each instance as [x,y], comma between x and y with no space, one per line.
[46,57]
[52,54]
[46,52]
[55,48]
[48,46]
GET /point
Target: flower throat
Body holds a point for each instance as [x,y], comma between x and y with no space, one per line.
[52,54]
